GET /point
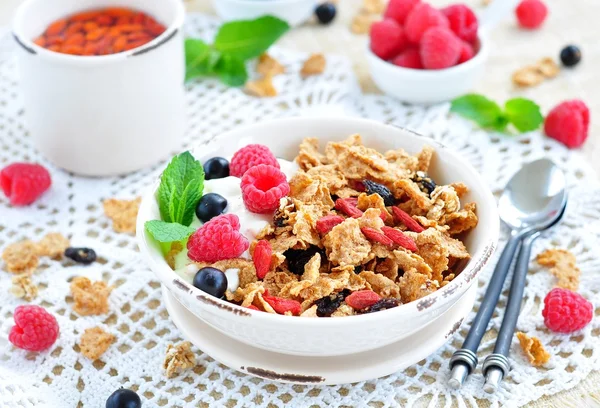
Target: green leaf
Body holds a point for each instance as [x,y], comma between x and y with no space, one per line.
[168,232]
[524,114]
[181,187]
[232,71]
[200,59]
[485,112]
[246,39]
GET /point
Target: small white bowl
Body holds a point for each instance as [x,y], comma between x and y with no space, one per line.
[428,86]
[330,336]
[295,12]
[103,115]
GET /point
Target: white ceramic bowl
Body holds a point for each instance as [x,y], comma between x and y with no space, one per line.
[330,336]
[103,115]
[295,12]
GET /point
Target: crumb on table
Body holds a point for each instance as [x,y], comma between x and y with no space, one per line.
[90,298]
[123,213]
[314,65]
[178,359]
[562,264]
[53,245]
[23,287]
[94,342]
[534,349]
[20,257]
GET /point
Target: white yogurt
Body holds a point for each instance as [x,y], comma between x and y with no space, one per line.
[233,279]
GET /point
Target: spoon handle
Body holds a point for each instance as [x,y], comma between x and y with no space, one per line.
[496,365]
[464,360]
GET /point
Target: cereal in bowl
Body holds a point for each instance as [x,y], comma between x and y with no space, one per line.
[341,231]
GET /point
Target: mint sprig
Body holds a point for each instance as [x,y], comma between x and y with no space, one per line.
[522,113]
[235,43]
[163,231]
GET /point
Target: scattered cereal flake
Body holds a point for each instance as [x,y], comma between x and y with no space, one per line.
[548,68]
[53,245]
[374,6]
[247,270]
[21,257]
[178,359]
[94,342]
[176,248]
[414,285]
[274,281]
[22,287]
[535,74]
[269,66]
[562,264]
[381,285]
[346,245]
[90,298]
[314,65]
[362,21]
[123,213]
[262,87]
[533,349]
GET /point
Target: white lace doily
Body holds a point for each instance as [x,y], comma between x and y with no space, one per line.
[62,377]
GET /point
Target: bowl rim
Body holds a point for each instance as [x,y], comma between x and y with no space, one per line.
[265,4]
[468,275]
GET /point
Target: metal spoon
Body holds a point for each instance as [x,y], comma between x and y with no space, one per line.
[531,201]
[496,366]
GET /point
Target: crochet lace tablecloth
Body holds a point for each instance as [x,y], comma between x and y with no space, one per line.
[62,377]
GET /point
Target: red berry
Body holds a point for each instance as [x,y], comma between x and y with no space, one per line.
[400,238]
[440,48]
[326,223]
[281,305]
[262,188]
[374,235]
[362,299]
[253,307]
[466,52]
[35,329]
[262,258]
[568,123]
[387,39]
[463,22]
[566,311]
[409,58]
[23,183]
[348,206]
[531,13]
[250,156]
[421,18]
[407,220]
[398,9]
[217,239]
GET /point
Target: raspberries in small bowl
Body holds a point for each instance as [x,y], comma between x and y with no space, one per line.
[422,54]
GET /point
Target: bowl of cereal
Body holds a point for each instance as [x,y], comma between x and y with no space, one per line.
[345,228]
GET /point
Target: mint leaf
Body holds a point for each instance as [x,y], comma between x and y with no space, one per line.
[200,59]
[168,232]
[485,112]
[246,39]
[232,71]
[181,187]
[524,114]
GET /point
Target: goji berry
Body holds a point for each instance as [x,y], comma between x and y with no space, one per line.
[281,305]
[326,223]
[399,238]
[407,220]
[362,299]
[348,207]
[253,307]
[262,258]
[377,236]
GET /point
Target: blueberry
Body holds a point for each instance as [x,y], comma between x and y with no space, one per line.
[570,55]
[212,281]
[216,168]
[325,13]
[375,188]
[123,398]
[81,255]
[210,205]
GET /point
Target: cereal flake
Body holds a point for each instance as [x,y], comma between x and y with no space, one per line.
[262,87]
[314,65]
[123,213]
[178,359]
[23,287]
[53,245]
[562,264]
[94,342]
[21,257]
[534,349]
[269,66]
[90,298]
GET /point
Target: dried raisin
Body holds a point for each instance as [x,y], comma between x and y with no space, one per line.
[297,258]
[425,183]
[329,304]
[375,188]
[383,304]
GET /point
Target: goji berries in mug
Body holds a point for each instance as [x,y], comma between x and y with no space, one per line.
[100,32]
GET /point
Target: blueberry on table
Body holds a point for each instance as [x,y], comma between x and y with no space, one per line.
[209,206]
[216,168]
[212,281]
[123,398]
[81,255]
[570,55]
[325,12]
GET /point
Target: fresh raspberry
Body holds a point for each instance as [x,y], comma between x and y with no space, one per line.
[531,13]
[217,239]
[348,206]
[326,223]
[407,220]
[376,236]
[409,58]
[23,183]
[262,258]
[421,18]
[398,10]
[466,52]
[250,156]
[463,22]
[440,48]
[566,311]
[568,123]
[281,305]
[362,299]
[35,329]
[387,39]
[262,188]
[400,238]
